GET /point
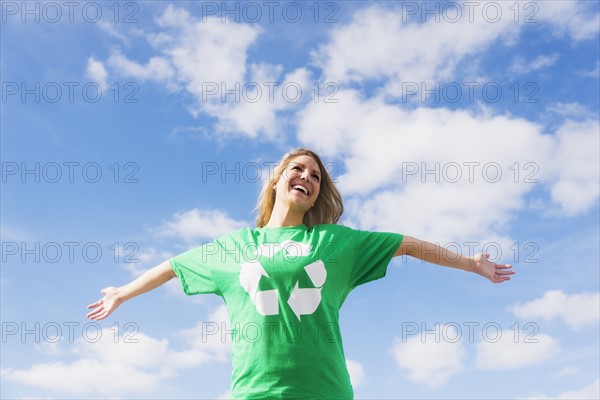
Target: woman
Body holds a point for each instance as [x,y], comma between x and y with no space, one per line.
[285,281]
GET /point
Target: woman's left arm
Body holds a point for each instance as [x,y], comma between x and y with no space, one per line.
[430,252]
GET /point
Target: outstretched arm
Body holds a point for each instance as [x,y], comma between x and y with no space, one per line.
[114,296]
[435,254]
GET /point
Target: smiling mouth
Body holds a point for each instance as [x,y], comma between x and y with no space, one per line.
[301,188]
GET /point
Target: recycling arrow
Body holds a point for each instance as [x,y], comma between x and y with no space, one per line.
[305,301]
[302,301]
[266,301]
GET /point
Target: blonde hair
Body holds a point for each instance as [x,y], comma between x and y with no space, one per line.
[328,207]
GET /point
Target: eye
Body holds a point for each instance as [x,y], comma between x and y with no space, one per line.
[295,168]
[317,177]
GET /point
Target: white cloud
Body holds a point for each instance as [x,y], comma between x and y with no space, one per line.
[571,110]
[97,72]
[576,189]
[509,350]
[574,18]
[131,364]
[255,113]
[113,30]
[385,45]
[204,51]
[51,346]
[199,224]
[380,143]
[429,361]
[208,59]
[565,372]
[356,371]
[152,256]
[591,392]
[521,66]
[156,69]
[146,258]
[387,150]
[576,310]
[10,233]
[218,341]
[384,147]
[592,73]
[86,377]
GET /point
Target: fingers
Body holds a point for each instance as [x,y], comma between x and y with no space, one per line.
[501,276]
[98,314]
[95,313]
[504,272]
[500,279]
[504,269]
[96,304]
[100,317]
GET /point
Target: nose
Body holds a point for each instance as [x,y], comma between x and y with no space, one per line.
[305,175]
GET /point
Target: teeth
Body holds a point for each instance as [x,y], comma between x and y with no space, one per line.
[302,188]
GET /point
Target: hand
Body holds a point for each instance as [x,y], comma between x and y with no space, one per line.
[497,273]
[106,305]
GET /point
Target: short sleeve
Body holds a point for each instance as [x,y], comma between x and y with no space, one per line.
[373,253]
[193,268]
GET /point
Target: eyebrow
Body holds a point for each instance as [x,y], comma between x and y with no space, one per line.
[299,163]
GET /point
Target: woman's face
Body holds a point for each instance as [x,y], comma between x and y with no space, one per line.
[300,183]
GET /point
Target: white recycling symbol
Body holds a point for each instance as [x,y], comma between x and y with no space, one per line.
[302,301]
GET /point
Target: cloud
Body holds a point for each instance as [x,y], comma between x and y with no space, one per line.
[576,19]
[565,372]
[388,46]
[156,69]
[356,371]
[592,73]
[520,66]
[388,152]
[571,110]
[113,29]
[429,361]
[434,49]
[207,59]
[51,346]
[199,224]
[86,377]
[511,350]
[134,363]
[97,72]
[382,142]
[469,168]
[10,233]
[591,392]
[254,108]
[144,259]
[576,188]
[576,310]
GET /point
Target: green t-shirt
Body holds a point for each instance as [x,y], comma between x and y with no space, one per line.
[283,288]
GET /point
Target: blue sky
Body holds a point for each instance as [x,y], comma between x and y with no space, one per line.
[473,126]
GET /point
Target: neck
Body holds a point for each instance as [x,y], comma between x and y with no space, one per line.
[285,216]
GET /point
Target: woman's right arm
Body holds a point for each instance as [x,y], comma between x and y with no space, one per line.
[114,296]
